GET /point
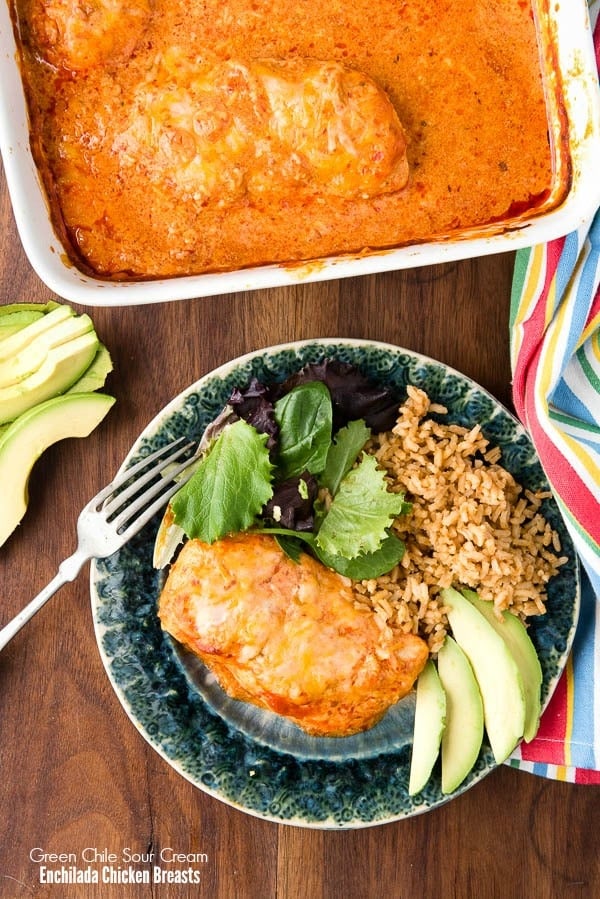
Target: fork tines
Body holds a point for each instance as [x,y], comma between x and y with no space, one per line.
[129,483]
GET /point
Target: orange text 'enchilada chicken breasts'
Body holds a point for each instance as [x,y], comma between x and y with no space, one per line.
[287,636]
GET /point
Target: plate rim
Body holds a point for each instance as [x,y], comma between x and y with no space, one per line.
[152,429]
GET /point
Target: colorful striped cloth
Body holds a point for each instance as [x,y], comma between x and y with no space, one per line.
[555,354]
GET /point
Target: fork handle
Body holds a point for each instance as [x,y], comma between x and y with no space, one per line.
[68,571]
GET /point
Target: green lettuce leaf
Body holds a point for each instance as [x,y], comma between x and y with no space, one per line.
[304,416]
[361,512]
[366,565]
[343,453]
[229,488]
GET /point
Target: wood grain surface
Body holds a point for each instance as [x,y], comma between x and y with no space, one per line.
[75,773]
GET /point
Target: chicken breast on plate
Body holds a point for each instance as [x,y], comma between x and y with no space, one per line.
[287,636]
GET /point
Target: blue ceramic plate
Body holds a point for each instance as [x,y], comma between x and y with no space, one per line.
[254,760]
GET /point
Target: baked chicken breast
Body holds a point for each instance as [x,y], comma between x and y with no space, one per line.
[263,128]
[287,636]
[77,35]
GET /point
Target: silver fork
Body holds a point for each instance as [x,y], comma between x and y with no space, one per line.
[112,517]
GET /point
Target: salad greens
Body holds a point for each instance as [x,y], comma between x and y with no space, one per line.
[360,513]
[287,468]
[304,417]
[342,454]
[230,486]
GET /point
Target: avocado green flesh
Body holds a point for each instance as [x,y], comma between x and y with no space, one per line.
[496,671]
[24,337]
[23,442]
[64,365]
[30,359]
[512,630]
[463,734]
[39,308]
[96,374]
[14,321]
[430,718]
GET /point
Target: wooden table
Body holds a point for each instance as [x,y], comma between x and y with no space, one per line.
[74,772]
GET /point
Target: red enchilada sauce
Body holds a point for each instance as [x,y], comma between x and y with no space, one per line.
[177,138]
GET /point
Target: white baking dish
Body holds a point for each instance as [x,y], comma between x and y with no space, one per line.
[575,67]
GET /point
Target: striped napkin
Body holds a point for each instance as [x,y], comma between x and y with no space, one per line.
[555,355]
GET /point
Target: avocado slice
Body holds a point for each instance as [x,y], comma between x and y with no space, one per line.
[463,734]
[430,719]
[64,365]
[22,338]
[23,442]
[514,633]
[96,374]
[42,308]
[31,358]
[497,673]
[12,322]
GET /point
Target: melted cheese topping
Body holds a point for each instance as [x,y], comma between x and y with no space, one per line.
[77,34]
[178,138]
[287,636]
[261,128]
